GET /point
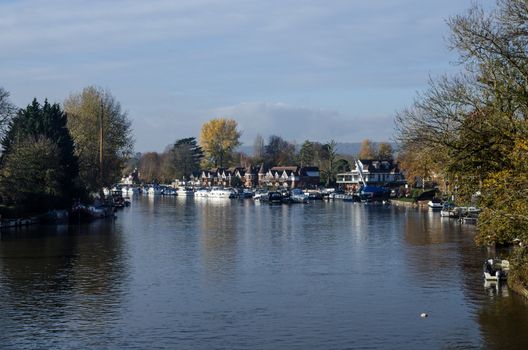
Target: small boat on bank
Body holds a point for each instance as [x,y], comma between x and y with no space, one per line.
[449,210]
[435,204]
[496,269]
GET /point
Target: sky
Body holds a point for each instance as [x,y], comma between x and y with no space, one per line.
[300,69]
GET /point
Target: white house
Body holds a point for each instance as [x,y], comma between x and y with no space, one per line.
[375,173]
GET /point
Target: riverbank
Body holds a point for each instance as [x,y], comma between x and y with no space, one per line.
[409,203]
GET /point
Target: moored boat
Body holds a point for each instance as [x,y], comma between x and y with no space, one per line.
[496,269]
[221,193]
[449,210]
[435,204]
[298,196]
[184,192]
[275,197]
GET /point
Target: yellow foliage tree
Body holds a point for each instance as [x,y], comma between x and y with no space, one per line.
[219,138]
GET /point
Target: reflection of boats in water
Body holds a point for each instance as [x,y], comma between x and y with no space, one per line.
[493,288]
[496,269]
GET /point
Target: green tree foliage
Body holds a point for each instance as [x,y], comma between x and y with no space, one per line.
[219,138]
[30,177]
[342,166]
[307,153]
[29,133]
[84,112]
[279,152]
[329,169]
[184,158]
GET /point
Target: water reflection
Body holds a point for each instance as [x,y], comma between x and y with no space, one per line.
[216,273]
[218,219]
[60,279]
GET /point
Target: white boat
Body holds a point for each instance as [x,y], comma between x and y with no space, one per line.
[261,196]
[133,190]
[434,205]
[184,192]
[496,269]
[203,193]
[154,191]
[449,210]
[298,196]
[129,191]
[221,193]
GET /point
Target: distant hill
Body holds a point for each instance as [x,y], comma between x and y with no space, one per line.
[343,148]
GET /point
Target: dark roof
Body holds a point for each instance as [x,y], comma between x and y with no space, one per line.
[379,166]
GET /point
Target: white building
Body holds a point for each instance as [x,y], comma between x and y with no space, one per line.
[375,173]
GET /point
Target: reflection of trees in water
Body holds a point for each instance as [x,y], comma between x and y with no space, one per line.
[61,277]
[219,230]
[443,252]
[503,323]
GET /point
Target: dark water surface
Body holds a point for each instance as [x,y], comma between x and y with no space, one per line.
[176,273]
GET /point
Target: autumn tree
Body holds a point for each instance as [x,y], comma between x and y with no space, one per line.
[85,111]
[219,138]
[385,151]
[475,124]
[367,150]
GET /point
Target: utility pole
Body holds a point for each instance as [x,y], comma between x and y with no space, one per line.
[101,144]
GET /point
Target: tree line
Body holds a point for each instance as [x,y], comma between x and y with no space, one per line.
[217,147]
[51,153]
[471,130]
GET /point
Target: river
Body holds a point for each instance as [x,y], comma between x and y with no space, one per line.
[184,273]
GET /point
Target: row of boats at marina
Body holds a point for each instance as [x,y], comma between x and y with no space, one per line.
[495,269]
[450,210]
[295,195]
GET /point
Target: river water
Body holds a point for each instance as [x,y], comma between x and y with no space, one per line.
[177,273]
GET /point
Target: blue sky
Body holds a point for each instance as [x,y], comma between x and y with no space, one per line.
[301,69]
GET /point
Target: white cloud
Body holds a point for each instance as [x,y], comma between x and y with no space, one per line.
[297,124]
